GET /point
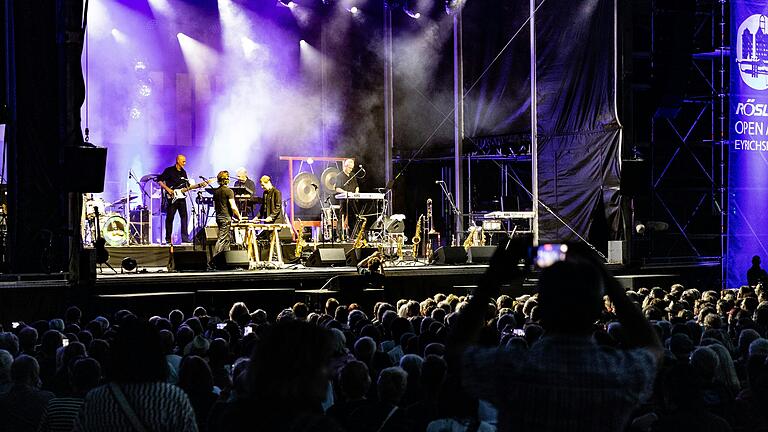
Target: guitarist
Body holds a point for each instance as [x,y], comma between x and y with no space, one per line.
[175,177]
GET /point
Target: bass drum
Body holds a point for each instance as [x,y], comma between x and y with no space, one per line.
[114,229]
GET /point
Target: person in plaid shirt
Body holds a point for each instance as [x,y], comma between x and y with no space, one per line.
[565,381]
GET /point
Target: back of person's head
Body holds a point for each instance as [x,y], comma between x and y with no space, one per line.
[391,385]
[365,347]
[355,380]
[289,365]
[570,296]
[683,386]
[176,317]
[411,364]
[330,306]
[300,310]
[50,342]
[137,354]
[167,339]
[73,315]
[25,371]
[433,373]
[6,360]
[341,314]
[745,338]
[705,362]
[400,326]
[239,313]
[9,342]
[195,376]
[218,352]
[184,336]
[86,373]
[27,339]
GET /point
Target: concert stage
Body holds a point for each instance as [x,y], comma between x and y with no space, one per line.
[155,290]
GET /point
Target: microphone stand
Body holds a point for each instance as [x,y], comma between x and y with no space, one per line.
[449,197]
[346,200]
[141,210]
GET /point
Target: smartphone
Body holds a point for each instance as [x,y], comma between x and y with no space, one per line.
[248,330]
[64,342]
[518,332]
[15,324]
[221,326]
[550,253]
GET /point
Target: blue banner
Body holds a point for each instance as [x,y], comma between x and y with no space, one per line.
[748,139]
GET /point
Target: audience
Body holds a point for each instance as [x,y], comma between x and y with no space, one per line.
[580,353]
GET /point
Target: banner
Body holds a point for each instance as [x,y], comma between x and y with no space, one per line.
[748,139]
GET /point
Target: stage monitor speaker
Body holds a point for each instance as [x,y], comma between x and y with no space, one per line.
[83,169]
[208,234]
[449,255]
[354,256]
[329,257]
[190,260]
[480,254]
[231,259]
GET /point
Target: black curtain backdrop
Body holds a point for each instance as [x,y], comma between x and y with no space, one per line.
[579,133]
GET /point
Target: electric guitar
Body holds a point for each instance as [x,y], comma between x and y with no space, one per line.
[181,193]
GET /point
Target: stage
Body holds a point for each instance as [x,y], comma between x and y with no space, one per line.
[156,290]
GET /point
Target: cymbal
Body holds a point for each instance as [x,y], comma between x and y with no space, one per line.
[328,179]
[124,199]
[305,190]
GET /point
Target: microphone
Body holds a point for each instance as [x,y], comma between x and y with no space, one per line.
[361,167]
[202,178]
[314,186]
[439,181]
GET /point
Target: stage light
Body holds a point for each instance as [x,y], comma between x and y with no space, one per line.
[410,13]
[128,264]
[118,36]
[288,4]
[145,90]
[303,43]
[452,6]
[140,66]
[354,10]
[135,113]
[310,161]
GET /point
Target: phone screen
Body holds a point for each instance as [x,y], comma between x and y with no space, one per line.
[248,330]
[64,342]
[518,332]
[550,253]
[221,326]
[15,324]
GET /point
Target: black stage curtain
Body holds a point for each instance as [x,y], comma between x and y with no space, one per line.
[579,133]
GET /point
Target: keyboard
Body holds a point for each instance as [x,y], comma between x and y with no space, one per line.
[509,215]
[360,195]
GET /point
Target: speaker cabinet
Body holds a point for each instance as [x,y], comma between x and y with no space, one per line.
[447,255]
[354,256]
[328,257]
[480,254]
[189,260]
[231,259]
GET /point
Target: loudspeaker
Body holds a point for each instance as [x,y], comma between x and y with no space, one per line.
[449,255]
[208,234]
[231,259]
[617,252]
[354,256]
[190,260]
[480,254]
[86,167]
[327,258]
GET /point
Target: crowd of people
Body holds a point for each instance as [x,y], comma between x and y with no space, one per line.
[581,353]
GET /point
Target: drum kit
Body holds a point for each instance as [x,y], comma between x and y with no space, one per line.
[113,225]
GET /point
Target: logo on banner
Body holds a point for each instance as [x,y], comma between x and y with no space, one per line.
[752,51]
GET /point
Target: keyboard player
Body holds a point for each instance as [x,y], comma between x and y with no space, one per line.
[248,200]
[346,181]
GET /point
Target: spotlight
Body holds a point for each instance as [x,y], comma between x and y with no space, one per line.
[128,264]
[410,13]
[310,161]
[452,6]
[140,66]
[303,43]
[145,90]
[288,4]
[353,10]
[135,113]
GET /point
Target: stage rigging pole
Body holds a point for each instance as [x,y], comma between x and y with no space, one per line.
[458,130]
[534,129]
[389,117]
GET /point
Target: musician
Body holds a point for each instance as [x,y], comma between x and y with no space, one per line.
[272,206]
[346,182]
[245,182]
[226,208]
[175,177]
